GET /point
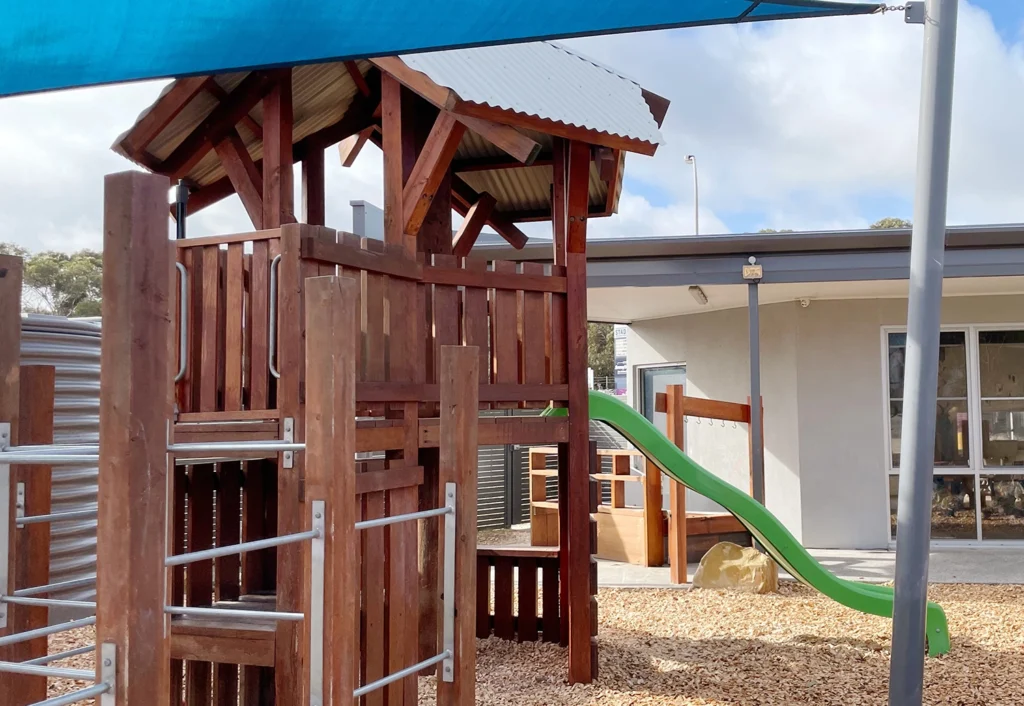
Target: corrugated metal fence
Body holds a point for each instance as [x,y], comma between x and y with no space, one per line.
[72,347]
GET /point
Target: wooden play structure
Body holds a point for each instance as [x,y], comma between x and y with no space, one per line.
[639,533]
[245,556]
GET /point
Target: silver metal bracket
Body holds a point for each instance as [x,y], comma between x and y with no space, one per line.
[448,597]
[289,436]
[316,606]
[5,436]
[108,672]
[19,501]
[6,581]
[913,13]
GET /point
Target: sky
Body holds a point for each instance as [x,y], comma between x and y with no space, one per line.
[805,124]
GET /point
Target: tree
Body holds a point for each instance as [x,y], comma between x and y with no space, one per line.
[601,349]
[772,230]
[886,223]
[61,283]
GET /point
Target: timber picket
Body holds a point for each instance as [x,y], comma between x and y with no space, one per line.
[504,329]
[475,322]
[373,591]
[374,293]
[533,334]
[234,281]
[199,583]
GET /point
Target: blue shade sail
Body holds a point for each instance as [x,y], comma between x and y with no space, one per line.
[58,44]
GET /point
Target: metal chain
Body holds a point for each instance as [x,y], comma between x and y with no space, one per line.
[893,8]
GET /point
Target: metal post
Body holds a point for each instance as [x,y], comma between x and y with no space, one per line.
[692,159]
[316,605]
[180,208]
[448,617]
[6,580]
[906,666]
[756,428]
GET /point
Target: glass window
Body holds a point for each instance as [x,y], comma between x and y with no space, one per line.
[952,437]
[1001,376]
[655,380]
[953,506]
[1002,507]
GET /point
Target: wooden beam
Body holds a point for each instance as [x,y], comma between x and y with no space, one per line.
[351,146]
[332,324]
[430,169]
[159,116]
[357,77]
[313,197]
[444,98]
[135,402]
[523,147]
[391,121]
[472,224]
[559,218]
[463,197]
[491,164]
[459,377]
[278,193]
[243,174]
[551,127]
[222,119]
[614,181]
[217,91]
[657,104]
[535,215]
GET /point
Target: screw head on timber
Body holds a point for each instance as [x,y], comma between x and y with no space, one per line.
[107,663]
[318,515]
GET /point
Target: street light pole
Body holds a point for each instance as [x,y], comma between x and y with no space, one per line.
[927,255]
[691,159]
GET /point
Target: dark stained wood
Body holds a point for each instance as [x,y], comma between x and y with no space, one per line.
[250,237]
[533,333]
[374,582]
[527,624]
[431,167]
[313,199]
[577,494]
[249,643]
[278,194]
[550,127]
[159,116]
[483,596]
[209,331]
[522,147]
[459,378]
[259,302]
[394,181]
[549,599]
[179,487]
[653,513]
[464,196]
[214,89]
[504,344]
[199,587]
[229,496]
[563,542]
[206,196]
[475,319]
[657,104]
[716,409]
[29,549]
[559,217]
[430,392]
[676,410]
[332,324]
[446,319]
[394,71]
[614,179]
[474,221]
[11,270]
[394,263]
[403,589]
[357,77]
[504,621]
[497,163]
[373,297]
[234,308]
[222,119]
[135,404]
[503,277]
[389,479]
[244,175]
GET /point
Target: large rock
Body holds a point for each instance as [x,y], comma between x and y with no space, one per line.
[728,565]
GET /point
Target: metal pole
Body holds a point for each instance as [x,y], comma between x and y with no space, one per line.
[180,209]
[756,428]
[692,159]
[906,666]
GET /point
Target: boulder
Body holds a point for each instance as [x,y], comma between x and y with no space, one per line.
[728,565]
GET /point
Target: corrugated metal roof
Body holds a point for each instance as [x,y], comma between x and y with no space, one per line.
[546,80]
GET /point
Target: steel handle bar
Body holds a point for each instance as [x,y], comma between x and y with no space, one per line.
[408,517]
[62,655]
[47,459]
[236,446]
[47,602]
[232,613]
[76,696]
[37,670]
[272,334]
[192,557]
[57,517]
[58,587]
[182,323]
[20,637]
[397,676]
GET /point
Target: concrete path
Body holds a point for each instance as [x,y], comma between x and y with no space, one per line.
[947,565]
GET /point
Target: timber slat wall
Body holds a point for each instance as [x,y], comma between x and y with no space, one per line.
[535,615]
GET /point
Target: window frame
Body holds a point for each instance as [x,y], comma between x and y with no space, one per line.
[976,468]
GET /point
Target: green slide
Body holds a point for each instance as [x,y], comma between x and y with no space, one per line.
[772,534]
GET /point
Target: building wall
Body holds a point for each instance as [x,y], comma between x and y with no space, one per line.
[825,419]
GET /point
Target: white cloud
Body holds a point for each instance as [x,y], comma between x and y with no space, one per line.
[805,124]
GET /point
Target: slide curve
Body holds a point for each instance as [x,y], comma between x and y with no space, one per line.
[780,544]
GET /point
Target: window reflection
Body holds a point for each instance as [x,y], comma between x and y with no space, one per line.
[953,507]
[1002,507]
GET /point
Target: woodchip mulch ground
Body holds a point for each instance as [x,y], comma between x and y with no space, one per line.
[727,649]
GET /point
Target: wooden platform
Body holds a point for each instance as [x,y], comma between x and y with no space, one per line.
[242,641]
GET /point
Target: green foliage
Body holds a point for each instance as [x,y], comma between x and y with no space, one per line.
[772,230]
[61,283]
[884,223]
[601,349]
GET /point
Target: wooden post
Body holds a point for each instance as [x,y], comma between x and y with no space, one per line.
[10,404]
[135,407]
[653,516]
[677,492]
[460,393]
[278,194]
[332,325]
[313,187]
[29,558]
[577,500]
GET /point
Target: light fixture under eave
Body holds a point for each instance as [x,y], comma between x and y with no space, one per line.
[698,294]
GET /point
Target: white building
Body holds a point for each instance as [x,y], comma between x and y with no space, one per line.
[832,307]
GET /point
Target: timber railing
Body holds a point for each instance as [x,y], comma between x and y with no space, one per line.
[517,593]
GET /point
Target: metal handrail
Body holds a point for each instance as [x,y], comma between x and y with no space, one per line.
[70,449]
[20,637]
[69,516]
[47,602]
[408,517]
[62,655]
[272,343]
[46,459]
[76,696]
[275,446]
[37,670]
[402,674]
[232,613]
[182,323]
[56,587]
[192,557]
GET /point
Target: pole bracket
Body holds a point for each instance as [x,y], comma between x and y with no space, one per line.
[289,436]
[913,13]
